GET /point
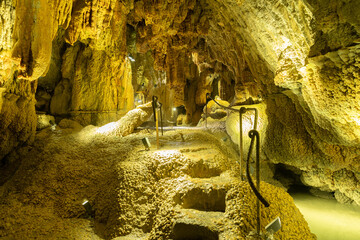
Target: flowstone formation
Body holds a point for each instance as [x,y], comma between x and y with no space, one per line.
[187,189]
[129,122]
[303,57]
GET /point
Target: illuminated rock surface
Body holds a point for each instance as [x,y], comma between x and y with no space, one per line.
[186,189]
[88,60]
[129,122]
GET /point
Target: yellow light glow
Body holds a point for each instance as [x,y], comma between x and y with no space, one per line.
[167,153]
[106,129]
[282,44]
[88,133]
[248,119]
[53,127]
[247,124]
[356,120]
[302,71]
[329,219]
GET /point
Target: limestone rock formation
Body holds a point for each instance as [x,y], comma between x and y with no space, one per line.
[44,121]
[215,111]
[281,205]
[331,89]
[33,50]
[299,57]
[17,118]
[248,118]
[17,111]
[129,122]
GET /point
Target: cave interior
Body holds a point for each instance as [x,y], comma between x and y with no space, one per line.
[84,83]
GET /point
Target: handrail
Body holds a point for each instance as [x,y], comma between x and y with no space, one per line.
[255,134]
[156,104]
[161,119]
[233,109]
[241,111]
[252,134]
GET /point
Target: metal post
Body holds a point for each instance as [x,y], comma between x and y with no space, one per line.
[206,116]
[157,130]
[241,143]
[241,150]
[161,121]
[154,105]
[257,165]
[206,102]
[255,134]
[241,111]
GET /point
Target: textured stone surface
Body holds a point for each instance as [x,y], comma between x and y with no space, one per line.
[244,51]
[44,121]
[248,118]
[33,33]
[294,139]
[281,205]
[17,115]
[129,122]
[34,29]
[342,182]
[67,123]
[331,88]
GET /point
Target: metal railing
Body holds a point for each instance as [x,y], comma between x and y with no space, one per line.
[241,111]
[155,105]
[253,134]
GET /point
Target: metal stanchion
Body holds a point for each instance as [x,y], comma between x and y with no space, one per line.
[241,149]
[207,98]
[253,134]
[241,111]
[157,130]
[156,106]
[161,119]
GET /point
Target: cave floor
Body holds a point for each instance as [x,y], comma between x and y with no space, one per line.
[186,189]
[62,168]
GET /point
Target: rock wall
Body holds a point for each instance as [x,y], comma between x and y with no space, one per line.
[87,78]
[17,111]
[95,86]
[310,50]
[17,115]
[321,137]
[331,88]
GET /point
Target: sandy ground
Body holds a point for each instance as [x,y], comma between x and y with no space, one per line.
[187,189]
